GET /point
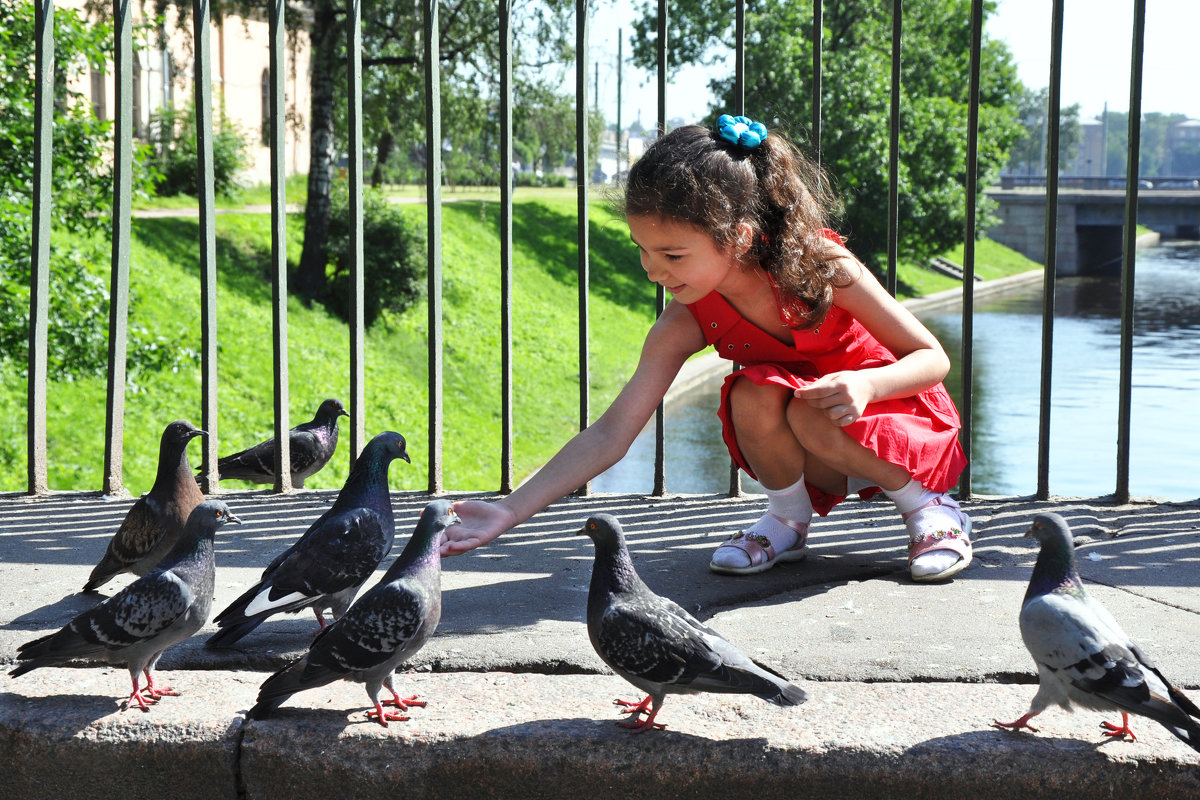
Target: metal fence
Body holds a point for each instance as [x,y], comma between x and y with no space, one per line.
[123,155]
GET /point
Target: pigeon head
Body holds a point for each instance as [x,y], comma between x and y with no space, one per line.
[1052,531]
[605,531]
[1055,566]
[211,515]
[331,409]
[437,516]
[385,447]
[179,433]
[172,452]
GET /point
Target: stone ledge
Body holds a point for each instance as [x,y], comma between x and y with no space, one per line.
[500,735]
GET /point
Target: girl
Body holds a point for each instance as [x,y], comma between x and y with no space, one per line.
[842,392]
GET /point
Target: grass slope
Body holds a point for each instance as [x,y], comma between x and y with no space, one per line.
[164,275]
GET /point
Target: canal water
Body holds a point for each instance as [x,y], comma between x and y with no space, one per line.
[1164,440]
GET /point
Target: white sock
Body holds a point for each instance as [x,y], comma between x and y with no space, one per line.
[791,502]
[909,498]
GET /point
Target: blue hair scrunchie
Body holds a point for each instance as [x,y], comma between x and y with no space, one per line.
[741,131]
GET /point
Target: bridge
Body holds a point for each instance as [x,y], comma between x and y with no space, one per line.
[1090,221]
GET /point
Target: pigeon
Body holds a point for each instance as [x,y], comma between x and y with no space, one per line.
[326,566]
[155,522]
[1082,655]
[658,646]
[381,631]
[312,445]
[135,625]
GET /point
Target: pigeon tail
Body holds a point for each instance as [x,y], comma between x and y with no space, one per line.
[789,695]
[295,677]
[228,635]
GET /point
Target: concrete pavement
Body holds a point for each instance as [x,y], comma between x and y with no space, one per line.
[904,679]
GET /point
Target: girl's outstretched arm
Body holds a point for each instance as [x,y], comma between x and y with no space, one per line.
[673,338]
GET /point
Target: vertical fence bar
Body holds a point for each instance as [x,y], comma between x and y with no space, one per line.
[739,57]
[433,191]
[620,68]
[279,285]
[581,188]
[968,309]
[1050,259]
[39,266]
[506,244]
[1129,251]
[202,81]
[818,32]
[739,107]
[118,290]
[358,335]
[893,237]
[660,295]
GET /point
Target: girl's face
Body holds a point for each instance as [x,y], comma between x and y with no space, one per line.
[681,257]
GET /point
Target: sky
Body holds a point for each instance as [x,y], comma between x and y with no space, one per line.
[1097,43]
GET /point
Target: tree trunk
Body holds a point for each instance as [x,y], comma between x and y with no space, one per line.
[383,152]
[311,280]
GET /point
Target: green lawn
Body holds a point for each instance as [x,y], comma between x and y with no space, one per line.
[164,276]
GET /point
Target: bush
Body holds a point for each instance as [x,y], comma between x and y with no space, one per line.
[173,135]
[394,267]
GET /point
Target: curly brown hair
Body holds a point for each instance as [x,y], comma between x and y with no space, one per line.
[693,175]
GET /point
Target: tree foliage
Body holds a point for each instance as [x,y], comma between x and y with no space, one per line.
[1159,154]
[173,136]
[1028,154]
[81,201]
[855,98]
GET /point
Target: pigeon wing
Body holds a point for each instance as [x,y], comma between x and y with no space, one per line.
[331,557]
[138,613]
[390,622]
[654,639]
[1088,651]
[307,450]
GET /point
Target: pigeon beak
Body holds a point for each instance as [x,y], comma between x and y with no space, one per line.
[404,455]
[234,518]
[343,412]
[197,432]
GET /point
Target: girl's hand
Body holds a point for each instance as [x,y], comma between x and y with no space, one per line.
[481,523]
[842,395]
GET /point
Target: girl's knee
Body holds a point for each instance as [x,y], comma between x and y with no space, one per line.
[754,407]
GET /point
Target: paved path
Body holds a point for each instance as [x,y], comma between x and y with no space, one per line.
[904,679]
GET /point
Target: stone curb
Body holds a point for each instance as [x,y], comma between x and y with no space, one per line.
[499,735]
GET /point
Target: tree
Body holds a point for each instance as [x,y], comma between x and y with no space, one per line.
[855,103]
[1155,154]
[393,95]
[1028,154]
[81,205]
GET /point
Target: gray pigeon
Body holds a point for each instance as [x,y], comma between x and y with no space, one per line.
[385,628]
[326,566]
[155,522]
[1082,655]
[312,445]
[135,625]
[658,646]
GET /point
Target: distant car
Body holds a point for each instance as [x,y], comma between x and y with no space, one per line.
[1178,183]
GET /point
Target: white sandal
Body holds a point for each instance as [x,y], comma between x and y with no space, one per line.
[956,540]
[761,552]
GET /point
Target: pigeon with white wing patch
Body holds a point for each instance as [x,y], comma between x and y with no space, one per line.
[331,561]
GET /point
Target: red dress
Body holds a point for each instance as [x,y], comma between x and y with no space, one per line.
[919,433]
